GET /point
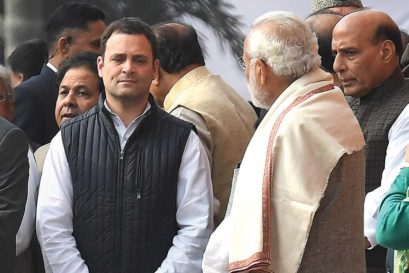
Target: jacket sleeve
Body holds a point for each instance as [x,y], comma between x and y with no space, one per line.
[13,192]
[26,113]
[393,220]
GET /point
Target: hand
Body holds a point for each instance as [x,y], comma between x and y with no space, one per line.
[367,243]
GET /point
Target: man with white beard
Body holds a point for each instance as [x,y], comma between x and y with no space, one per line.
[300,187]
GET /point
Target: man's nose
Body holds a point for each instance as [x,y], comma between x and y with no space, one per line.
[128,67]
[339,64]
[69,100]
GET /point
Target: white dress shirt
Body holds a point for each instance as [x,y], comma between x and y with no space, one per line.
[395,157]
[194,213]
[26,230]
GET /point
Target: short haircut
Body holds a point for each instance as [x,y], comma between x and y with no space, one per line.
[5,77]
[178,46]
[74,15]
[389,31]
[87,60]
[28,58]
[131,26]
[287,45]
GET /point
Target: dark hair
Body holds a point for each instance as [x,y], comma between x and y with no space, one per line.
[323,32]
[132,26]
[178,46]
[74,15]
[83,59]
[389,31]
[28,58]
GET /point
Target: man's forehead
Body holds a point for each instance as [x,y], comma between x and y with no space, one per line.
[347,32]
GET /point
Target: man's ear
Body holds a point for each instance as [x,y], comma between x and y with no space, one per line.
[261,70]
[388,51]
[100,65]
[157,78]
[156,68]
[63,45]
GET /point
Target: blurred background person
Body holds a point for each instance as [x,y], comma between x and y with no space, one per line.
[322,23]
[24,259]
[72,28]
[14,172]
[27,60]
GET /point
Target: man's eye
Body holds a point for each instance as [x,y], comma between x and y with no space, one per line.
[118,59]
[82,92]
[63,92]
[350,53]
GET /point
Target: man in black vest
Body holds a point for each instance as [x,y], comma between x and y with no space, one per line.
[125,187]
[368,47]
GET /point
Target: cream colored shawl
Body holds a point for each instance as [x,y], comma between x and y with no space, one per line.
[285,172]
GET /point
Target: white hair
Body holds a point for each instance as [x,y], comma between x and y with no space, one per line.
[5,77]
[285,43]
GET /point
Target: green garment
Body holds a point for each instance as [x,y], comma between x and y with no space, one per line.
[392,229]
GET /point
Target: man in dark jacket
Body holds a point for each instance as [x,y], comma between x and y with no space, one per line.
[125,187]
[368,46]
[13,187]
[72,28]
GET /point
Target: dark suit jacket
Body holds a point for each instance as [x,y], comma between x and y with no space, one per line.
[13,189]
[35,103]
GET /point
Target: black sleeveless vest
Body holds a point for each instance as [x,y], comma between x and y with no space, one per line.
[124,203]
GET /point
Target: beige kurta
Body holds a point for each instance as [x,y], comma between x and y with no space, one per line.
[284,180]
[228,117]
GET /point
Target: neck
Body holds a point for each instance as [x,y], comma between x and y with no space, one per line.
[127,109]
[56,61]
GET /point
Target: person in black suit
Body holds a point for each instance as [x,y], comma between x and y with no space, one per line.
[72,28]
[13,187]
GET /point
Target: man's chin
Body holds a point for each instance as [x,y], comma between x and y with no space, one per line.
[65,119]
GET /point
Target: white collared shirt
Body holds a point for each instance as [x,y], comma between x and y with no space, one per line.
[52,67]
[194,213]
[395,159]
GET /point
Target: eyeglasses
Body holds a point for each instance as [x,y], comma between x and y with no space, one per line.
[4,96]
[241,63]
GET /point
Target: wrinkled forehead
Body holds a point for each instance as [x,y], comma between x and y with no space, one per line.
[353,31]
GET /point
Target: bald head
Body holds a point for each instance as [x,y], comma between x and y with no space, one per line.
[374,24]
[368,46]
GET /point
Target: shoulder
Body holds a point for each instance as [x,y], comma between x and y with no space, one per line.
[12,139]
[171,120]
[45,81]
[7,129]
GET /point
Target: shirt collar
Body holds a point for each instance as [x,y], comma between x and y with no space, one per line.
[148,106]
[52,67]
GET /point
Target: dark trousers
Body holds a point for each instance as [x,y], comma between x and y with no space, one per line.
[376,260]
[389,261]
